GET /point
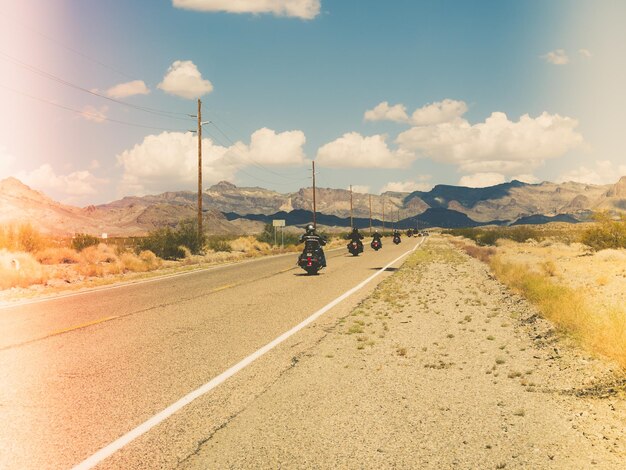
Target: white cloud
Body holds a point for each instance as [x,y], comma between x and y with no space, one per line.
[438,112]
[77,183]
[169,161]
[305,9]
[556,57]
[91,113]
[428,115]
[384,112]
[123,90]
[405,186]
[496,145]
[482,180]
[184,79]
[586,53]
[269,148]
[600,172]
[353,150]
[357,188]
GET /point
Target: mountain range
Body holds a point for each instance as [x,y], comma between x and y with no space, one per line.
[232,209]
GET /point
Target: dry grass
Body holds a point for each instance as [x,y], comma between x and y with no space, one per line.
[20,270]
[600,329]
[249,244]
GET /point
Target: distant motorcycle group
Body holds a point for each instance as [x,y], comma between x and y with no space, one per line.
[312,258]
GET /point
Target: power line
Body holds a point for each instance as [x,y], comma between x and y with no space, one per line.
[50,76]
[84,113]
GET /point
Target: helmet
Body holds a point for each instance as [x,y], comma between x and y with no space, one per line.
[310,228]
[354,229]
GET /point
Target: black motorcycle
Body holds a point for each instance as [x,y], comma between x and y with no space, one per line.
[355,247]
[309,259]
[376,245]
[396,239]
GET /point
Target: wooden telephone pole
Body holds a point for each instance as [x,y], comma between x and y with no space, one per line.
[383,214]
[370,214]
[314,206]
[351,224]
[199,171]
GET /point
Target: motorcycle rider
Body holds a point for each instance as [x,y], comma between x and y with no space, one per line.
[311,234]
[396,235]
[376,237]
[355,236]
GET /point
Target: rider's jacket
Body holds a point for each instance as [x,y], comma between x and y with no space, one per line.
[376,236]
[313,236]
[354,236]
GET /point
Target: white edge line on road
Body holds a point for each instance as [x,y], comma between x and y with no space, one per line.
[130,436]
[123,284]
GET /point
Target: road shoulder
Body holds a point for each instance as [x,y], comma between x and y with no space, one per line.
[440,367]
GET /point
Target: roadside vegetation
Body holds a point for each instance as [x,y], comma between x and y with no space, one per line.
[575,276]
[29,259]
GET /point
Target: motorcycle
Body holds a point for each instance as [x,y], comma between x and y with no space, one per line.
[309,259]
[396,239]
[409,233]
[355,247]
[376,245]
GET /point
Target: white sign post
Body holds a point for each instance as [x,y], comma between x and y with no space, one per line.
[279,223]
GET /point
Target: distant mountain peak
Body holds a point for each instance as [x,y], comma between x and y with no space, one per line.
[222,185]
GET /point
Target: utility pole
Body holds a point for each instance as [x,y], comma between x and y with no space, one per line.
[370,214]
[200,172]
[383,214]
[351,224]
[314,206]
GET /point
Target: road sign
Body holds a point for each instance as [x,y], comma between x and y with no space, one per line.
[278,222]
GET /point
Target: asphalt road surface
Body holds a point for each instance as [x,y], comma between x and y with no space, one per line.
[79,371]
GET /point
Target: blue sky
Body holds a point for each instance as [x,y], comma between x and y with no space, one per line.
[503,89]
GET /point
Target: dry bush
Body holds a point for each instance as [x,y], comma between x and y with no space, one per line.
[249,244]
[599,330]
[20,270]
[22,237]
[150,259]
[58,256]
[481,253]
[133,263]
[99,260]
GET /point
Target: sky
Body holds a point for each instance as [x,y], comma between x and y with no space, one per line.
[99,98]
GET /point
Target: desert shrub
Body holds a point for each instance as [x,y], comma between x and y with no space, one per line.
[84,240]
[99,254]
[143,262]
[21,238]
[20,270]
[167,243]
[219,243]
[150,259]
[481,253]
[57,256]
[521,234]
[249,244]
[606,233]
[489,237]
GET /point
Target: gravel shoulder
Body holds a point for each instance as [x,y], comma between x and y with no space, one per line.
[441,367]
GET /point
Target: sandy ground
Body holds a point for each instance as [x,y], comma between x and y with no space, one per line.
[441,367]
[601,275]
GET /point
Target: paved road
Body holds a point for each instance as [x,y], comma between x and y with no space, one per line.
[77,372]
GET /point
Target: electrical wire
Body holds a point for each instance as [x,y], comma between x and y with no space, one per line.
[50,76]
[84,113]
